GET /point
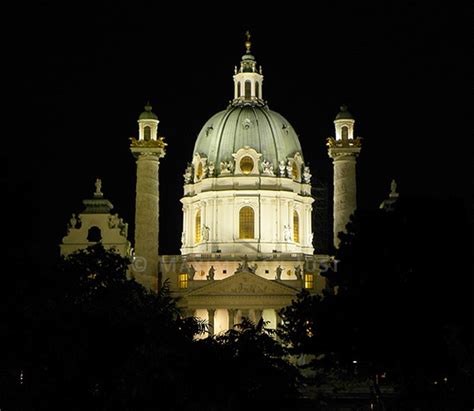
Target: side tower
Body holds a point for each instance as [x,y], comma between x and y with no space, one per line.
[147,150]
[343,150]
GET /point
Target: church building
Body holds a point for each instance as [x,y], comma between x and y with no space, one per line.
[247,236]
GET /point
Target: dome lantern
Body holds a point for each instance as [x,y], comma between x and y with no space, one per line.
[248,80]
[148,124]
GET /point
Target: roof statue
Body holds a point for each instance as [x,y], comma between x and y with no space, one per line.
[98,187]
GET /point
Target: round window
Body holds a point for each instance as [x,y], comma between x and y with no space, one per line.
[246,165]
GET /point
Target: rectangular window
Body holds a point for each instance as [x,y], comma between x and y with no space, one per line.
[183,280]
[309,281]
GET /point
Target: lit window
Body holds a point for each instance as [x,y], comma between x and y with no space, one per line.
[246,165]
[197,229]
[147,133]
[294,170]
[308,281]
[246,223]
[183,280]
[296,227]
[199,171]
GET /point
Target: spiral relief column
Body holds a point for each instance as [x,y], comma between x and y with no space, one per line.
[344,150]
[148,150]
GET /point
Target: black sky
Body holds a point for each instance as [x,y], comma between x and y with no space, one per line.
[86,72]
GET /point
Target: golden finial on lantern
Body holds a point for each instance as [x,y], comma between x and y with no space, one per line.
[248,43]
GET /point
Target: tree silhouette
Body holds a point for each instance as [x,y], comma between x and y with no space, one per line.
[390,310]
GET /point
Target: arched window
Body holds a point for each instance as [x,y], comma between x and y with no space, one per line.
[294,171]
[344,133]
[257,90]
[238,89]
[296,227]
[147,133]
[248,88]
[197,228]
[246,223]
[94,235]
[199,171]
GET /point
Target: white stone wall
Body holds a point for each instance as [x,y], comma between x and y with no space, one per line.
[273,210]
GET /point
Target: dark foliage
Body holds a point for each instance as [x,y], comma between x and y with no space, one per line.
[394,307]
[94,339]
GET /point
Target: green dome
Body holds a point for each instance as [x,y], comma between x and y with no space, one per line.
[255,126]
[148,114]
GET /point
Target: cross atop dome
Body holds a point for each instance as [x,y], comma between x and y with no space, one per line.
[248,43]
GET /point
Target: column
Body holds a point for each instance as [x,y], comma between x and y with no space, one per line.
[231,313]
[146,220]
[210,313]
[345,201]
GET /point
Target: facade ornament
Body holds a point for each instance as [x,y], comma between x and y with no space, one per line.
[209,130]
[282,168]
[72,222]
[246,123]
[267,168]
[306,175]
[287,233]
[113,221]
[124,229]
[393,189]
[188,174]
[311,236]
[205,171]
[226,167]
[289,168]
[298,272]
[205,232]
[191,272]
[278,272]
[245,266]
[331,142]
[211,273]
[210,169]
[183,238]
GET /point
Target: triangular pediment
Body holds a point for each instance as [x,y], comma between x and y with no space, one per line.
[244,283]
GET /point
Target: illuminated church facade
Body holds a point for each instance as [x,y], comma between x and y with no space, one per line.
[247,237]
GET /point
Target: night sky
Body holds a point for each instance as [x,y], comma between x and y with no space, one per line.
[87,71]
